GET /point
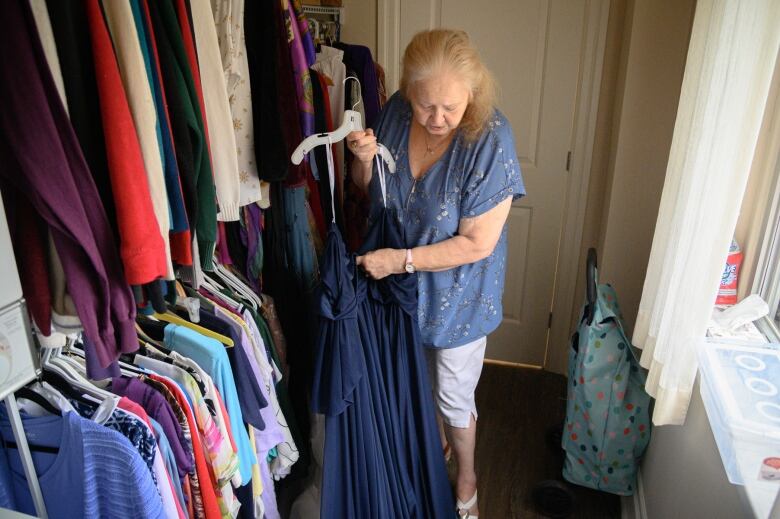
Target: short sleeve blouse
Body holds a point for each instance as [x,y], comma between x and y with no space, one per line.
[459,305]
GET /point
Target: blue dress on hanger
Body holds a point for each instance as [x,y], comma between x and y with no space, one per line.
[383,455]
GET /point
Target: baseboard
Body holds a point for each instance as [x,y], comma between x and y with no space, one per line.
[633,507]
[496,362]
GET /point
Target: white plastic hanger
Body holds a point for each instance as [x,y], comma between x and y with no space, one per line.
[352,121]
[239,286]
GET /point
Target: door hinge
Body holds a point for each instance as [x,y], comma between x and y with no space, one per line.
[568,161]
[549,321]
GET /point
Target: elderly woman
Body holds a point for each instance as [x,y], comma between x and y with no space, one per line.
[457,174]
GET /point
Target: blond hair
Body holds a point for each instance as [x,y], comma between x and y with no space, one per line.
[447,50]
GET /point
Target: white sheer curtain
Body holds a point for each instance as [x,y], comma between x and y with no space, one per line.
[731,59]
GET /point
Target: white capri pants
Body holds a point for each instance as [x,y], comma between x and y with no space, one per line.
[454,373]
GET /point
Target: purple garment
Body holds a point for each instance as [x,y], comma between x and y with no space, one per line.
[303,28]
[94,370]
[302,77]
[223,254]
[359,59]
[41,157]
[272,434]
[252,234]
[158,408]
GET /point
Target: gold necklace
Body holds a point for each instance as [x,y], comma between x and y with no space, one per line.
[428,149]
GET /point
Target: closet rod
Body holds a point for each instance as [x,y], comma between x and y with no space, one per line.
[24,452]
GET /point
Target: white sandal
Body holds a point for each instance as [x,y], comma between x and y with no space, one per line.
[463,508]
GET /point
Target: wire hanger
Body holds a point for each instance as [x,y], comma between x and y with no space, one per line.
[352,121]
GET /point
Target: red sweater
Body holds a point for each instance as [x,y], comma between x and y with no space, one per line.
[141,246]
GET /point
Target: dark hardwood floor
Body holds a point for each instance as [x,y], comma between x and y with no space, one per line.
[516,407]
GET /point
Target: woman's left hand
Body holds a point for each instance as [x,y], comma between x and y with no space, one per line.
[383,262]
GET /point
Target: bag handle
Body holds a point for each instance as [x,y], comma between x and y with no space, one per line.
[591,288]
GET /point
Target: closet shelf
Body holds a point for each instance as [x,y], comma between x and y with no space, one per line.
[338,12]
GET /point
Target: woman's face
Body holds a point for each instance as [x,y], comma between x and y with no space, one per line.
[439,102]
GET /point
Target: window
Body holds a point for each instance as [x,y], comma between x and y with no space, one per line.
[767,278]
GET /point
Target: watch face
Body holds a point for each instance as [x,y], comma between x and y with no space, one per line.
[410,268]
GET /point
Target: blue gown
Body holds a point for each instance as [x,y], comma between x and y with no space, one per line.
[383,456]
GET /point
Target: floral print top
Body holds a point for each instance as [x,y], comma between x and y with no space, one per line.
[463,304]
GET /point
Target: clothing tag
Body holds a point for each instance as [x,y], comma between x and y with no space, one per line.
[192,304]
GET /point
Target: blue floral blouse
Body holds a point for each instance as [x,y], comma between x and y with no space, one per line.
[463,304]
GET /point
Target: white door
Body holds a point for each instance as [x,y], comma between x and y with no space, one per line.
[534,49]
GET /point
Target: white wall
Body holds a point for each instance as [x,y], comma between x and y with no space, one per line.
[655,47]
[360,26]
[683,475]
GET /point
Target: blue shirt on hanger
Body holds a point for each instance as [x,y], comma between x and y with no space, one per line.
[211,357]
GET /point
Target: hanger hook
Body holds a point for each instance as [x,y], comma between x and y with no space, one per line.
[360,89]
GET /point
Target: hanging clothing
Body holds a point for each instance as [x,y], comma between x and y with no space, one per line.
[229,20]
[211,356]
[222,138]
[204,496]
[358,58]
[287,98]
[74,50]
[134,75]
[186,124]
[29,235]
[95,473]
[142,247]
[269,99]
[43,160]
[323,123]
[296,40]
[331,65]
[382,448]
[179,241]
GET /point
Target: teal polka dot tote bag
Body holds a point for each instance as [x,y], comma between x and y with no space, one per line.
[607,415]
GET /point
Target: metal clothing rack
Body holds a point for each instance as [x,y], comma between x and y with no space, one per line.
[16,348]
[336,12]
[325,14]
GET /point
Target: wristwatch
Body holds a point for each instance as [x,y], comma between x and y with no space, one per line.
[409,265]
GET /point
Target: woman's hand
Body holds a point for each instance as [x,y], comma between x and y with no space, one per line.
[383,262]
[363,145]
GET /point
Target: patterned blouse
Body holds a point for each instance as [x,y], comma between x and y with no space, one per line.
[463,304]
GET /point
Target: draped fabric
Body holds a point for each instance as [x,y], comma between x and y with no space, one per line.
[383,455]
[724,98]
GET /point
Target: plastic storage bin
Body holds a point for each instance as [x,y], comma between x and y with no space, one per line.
[740,387]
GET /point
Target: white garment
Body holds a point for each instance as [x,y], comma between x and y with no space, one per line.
[132,67]
[164,486]
[287,450]
[46,35]
[265,195]
[724,95]
[219,119]
[229,19]
[330,63]
[454,374]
